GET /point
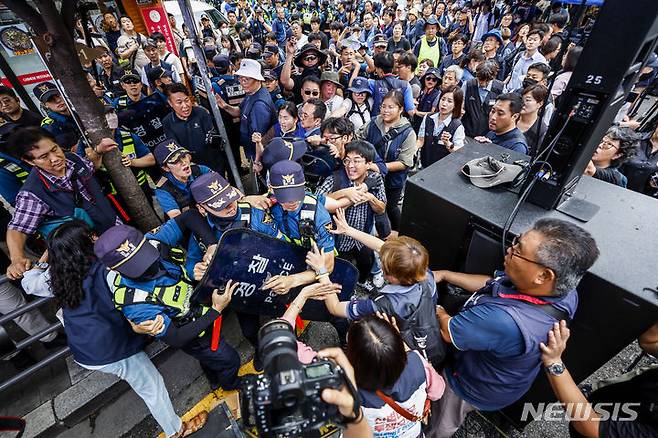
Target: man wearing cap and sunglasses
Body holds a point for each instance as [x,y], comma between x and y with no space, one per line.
[148,281]
[309,60]
[58,121]
[173,190]
[131,82]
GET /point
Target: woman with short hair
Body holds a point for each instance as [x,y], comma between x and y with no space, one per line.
[616,146]
[534,129]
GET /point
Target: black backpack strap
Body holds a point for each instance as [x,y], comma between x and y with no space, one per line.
[336,181]
[553,311]
[384,305]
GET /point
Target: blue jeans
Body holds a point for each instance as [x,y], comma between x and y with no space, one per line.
[145,379]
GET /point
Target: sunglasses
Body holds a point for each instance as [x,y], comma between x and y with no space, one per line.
[131,81]
[311,93]
[310,58]
[431,79]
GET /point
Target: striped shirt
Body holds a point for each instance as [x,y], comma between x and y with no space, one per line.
[31,210]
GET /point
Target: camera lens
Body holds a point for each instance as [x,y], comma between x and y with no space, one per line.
[277,346]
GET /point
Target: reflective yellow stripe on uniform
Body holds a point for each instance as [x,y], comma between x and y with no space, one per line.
[128,145]
[176,297]
[13,168]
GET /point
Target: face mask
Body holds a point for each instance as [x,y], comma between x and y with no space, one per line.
[221,222]
[112,120]
[528,82]
[225,30]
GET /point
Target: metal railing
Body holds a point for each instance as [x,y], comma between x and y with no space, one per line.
[23,344]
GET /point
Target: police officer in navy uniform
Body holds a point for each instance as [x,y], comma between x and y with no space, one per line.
[302,217]
[13,171]
[59,121]
[173,189]
[229,89]
[148,281]
[99,336]
[221,204]
[131,83]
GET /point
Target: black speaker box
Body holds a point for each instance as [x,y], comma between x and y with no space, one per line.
[461,226]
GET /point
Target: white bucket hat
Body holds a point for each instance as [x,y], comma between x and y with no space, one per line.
[250,68]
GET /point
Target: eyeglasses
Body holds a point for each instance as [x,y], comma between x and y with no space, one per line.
[515,253]
[355,161]
[606,144]
[333,137]
[310,58]
[311,93]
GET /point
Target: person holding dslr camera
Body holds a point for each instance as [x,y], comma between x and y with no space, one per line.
[297,406]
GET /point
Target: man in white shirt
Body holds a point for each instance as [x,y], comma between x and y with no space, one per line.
[530,56]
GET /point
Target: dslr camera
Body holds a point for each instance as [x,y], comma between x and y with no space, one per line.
[285,400]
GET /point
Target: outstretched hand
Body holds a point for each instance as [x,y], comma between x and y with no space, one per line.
[320,291]
[315,258]
[342,227]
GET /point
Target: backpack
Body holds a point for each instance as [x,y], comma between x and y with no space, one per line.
[420,330]
[511,59]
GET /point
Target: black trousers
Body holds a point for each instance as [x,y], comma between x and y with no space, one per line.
[363,259]
[220,366]
[393,196]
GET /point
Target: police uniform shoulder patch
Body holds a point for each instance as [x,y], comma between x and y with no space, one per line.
[328,226]
[267,217]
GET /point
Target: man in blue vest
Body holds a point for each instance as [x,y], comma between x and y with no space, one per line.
[61,186]
[58,121]
[257,111]
[148,281]
[498,331]
[280,26]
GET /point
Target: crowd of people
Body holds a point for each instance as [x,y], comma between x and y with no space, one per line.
[328,107]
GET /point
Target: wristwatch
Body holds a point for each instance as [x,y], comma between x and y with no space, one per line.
[41,265]
[555,369]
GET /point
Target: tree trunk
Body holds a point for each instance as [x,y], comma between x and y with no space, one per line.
[52,28]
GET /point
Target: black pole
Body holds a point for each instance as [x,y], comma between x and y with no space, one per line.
[188,18]
[16,84]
